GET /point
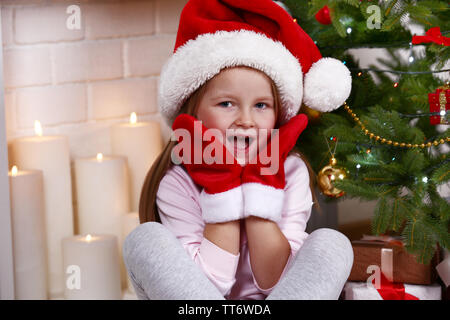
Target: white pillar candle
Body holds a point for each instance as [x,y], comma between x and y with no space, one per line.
[51,155]
[130,222]
[141,144]
[91,265]
[28,231]
[102,197]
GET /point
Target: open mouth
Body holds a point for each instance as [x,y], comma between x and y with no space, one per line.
[241,142]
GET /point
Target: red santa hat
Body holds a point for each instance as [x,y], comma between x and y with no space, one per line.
[215,34]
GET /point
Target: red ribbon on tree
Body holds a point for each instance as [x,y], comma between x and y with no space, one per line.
[323,15]
[393,290]
[432,35]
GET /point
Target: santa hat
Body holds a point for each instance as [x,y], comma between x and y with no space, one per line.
[215,34]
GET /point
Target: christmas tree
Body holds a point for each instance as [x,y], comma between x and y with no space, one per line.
[388,142]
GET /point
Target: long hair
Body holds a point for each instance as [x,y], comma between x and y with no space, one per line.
[148,210]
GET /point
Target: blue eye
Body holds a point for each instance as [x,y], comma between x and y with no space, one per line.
[261,104]
[225,102]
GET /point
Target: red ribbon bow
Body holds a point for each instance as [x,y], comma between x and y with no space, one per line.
[432,35]
[393,290]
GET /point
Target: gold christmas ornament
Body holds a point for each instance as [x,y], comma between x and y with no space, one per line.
[329,174]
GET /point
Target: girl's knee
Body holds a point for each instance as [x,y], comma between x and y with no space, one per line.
[331,236]
[339,246]
[144,235]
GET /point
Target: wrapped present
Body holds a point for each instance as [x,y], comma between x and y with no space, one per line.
[391,291]
[390,257]
[440,103]
[443,269]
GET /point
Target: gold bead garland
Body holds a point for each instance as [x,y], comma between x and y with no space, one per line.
[390,142]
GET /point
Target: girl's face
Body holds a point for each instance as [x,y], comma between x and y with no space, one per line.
[239,102]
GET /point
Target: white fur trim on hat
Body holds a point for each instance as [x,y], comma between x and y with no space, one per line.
[199,60]
[327,85]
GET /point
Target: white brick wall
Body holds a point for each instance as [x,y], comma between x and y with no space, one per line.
[7,25]
[112,20]
[145,56]
[88,61]
[39,24]
[79,82]
[26,66]
[117,99]
[60,104]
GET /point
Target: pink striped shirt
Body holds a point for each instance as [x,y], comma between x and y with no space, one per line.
[177,200]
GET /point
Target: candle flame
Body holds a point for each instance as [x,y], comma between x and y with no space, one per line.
[14,171]
[37,128]
[99,157]
[88,238]
[133,118]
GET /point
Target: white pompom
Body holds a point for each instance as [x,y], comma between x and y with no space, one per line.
[327,85]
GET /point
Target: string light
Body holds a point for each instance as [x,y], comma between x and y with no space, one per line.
[358,166]
[349,30]
[411,57]
[425,179]
[395,85]
[359,74]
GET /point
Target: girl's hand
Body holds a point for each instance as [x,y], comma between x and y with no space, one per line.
[263,181]
[211,166]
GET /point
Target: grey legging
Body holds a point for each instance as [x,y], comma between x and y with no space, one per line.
[160,268]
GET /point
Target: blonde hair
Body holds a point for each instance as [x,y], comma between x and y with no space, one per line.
[148,210]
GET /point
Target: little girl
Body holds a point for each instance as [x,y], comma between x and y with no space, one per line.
[230,230]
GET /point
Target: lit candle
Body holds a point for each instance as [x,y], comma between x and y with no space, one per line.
[129,222]
[102,196]
[51,155]
[91,266]
[28,232]
[140,143]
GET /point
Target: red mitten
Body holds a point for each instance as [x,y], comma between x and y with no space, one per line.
[211,166]
[263,182]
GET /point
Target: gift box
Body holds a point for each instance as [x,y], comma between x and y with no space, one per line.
[392,291]
[440,102]
[443,270]
[390,257]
